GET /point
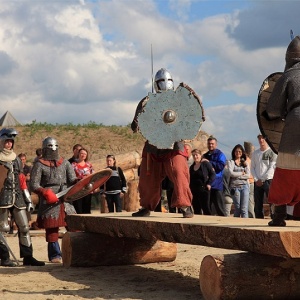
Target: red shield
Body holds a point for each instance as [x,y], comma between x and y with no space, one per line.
[87,185]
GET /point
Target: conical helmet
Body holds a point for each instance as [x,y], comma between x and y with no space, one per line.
[163,80]
[292,53]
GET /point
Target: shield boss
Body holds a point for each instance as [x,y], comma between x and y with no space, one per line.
[169,117]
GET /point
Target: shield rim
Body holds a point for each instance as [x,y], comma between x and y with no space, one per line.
[260,126]
[106,175]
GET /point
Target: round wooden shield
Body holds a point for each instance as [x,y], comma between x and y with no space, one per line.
[87,185]
[271,130]
[171,116]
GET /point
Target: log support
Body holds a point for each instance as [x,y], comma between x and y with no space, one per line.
[85,249]
[249,276]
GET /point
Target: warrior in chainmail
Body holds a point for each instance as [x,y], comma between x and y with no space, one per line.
[14,197]
[162,162]
[284,103]
[52,174]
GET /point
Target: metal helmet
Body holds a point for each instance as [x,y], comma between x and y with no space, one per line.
[50,149]
[293,53]
[7,134]
[163,81]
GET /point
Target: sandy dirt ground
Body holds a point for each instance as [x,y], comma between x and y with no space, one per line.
[169,281]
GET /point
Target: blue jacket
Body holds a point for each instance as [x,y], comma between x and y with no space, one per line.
[218,160]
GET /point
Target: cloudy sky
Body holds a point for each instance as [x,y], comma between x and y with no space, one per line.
[80,61]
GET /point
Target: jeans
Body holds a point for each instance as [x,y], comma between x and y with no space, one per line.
[240,197]
[114,199]
[259,194]
[53,250]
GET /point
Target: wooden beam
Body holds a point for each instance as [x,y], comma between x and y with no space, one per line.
[252,235]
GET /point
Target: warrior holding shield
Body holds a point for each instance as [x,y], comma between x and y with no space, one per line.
[166,119]
[52,174]
[284,103]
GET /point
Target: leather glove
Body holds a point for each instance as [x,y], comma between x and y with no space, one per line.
[49,195]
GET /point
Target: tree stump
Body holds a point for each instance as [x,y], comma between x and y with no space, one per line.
[249,276]
[85,249]
[132,197]
[103,204]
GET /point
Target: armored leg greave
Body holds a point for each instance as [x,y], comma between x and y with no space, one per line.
[4,226]
[21,220]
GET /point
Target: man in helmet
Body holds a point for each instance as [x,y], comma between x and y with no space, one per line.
[161,163]
[52,174]
[14,196]
[284,103]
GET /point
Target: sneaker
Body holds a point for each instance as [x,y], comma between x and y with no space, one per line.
[187,211]
[31,261]
[143,212]
[7,263]
[56,260]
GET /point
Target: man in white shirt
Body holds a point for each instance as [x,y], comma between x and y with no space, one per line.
[263,163]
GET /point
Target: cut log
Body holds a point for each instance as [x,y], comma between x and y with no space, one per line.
[130,160]
[132,197]
[131,174]
[84,249]
[249,276]
[103,204]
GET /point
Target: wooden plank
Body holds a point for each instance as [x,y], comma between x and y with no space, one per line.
[253,235]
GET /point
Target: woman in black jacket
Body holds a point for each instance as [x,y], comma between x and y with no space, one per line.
[202,175]
[114,186]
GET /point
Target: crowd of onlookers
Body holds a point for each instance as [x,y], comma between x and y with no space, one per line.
[236,186]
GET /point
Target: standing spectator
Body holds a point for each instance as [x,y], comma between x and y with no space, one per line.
[188,149]
[158,163]
[50,175]
[284,103]
[218,160]
[202,175]
[38,153]
[76,149]
[26,168]
[15,197]
[239,186]
[226,191]
[262,168]
[114,186]
[82,169]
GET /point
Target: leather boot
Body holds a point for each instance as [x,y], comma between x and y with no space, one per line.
[279,216]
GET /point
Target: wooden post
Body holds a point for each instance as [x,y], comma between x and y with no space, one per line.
[132,197]
[103,204]
[249,276]
[85,249]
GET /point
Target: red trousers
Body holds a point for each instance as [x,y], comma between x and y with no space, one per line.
[152,173]
[285,187]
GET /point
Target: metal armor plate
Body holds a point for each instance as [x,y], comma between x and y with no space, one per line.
[171,116]
[87,185]
[272,130]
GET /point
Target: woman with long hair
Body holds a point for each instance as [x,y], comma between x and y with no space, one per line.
[202,175]
[83,168]
[239,185]
[114,186]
